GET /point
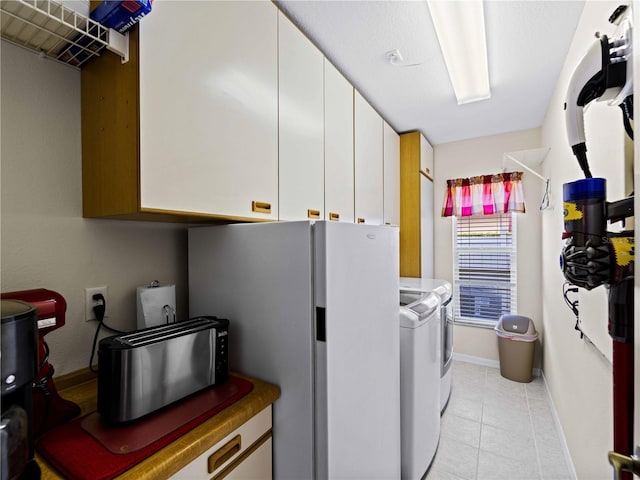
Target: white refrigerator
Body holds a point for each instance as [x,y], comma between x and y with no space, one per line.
[314,309]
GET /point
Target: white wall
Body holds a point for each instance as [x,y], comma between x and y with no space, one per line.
[578,374]
[482,156]
[45,242]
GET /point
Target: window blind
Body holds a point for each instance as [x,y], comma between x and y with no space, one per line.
[484,268]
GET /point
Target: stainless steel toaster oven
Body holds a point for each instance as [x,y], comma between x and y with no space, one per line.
[142,371]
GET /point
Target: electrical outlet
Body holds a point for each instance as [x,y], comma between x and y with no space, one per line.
[89,302]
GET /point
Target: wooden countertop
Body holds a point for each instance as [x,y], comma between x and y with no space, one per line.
[187,448]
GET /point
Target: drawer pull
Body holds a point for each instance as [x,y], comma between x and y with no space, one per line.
[334,216]
[315,214]
[224,453]
[260,207]
[360,220]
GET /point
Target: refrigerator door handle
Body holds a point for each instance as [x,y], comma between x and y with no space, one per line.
[321,324]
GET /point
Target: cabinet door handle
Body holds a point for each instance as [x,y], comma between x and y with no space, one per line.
[360,220]
[334,216]
[260,207]
[224,453]
[426,174]
[311,213]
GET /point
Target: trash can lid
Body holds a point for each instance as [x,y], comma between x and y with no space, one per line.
[516,327]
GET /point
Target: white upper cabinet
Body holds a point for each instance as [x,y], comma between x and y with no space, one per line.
[391,176]
[368,160]
[301,125]
[426,156]
[249,122]
[338,145]
[209,108]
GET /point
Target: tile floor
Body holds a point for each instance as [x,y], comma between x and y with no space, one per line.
[497,429]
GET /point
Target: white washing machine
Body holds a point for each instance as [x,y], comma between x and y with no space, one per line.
[419,381]
[442,288]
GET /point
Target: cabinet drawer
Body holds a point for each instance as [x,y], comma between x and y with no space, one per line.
[229,449]
[257,465]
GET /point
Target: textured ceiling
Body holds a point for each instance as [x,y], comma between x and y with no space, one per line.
[527,42]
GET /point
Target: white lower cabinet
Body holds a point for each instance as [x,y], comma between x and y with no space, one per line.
[253,467]
[246,453]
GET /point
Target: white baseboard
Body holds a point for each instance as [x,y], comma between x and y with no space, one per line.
[563,440]
[486,362]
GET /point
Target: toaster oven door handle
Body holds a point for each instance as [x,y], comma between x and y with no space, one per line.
[224,453]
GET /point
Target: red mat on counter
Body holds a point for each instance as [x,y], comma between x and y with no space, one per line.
[84,449]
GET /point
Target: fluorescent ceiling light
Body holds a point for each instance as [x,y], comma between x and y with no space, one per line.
[460,28]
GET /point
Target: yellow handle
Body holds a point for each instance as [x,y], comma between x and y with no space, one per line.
[334,216]
[224,453]
[260,207]
[360,220]
[311,213]
[623,463]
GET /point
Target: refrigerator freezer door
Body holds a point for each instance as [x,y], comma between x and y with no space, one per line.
[358,366]
[259,276]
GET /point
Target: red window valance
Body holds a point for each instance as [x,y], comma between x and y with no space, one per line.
[484,195]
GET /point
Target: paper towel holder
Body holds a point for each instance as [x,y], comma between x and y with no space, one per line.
[156,304]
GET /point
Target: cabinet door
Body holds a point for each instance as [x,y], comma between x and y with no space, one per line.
[426,227]
[426,156]
[301,126]
[338,145]
[368,162]
[256,466]
[234,450]
[209,108]
[391,176]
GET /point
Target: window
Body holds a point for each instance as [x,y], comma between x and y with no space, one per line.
[484,268]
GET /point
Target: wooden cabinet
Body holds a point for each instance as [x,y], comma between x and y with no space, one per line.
[250,124]
[368,162]
[391,176]
[338,145]
[246,453]
[416,206]
[189,126]
[301,125]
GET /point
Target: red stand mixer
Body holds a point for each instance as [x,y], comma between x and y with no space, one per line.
[49,408]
